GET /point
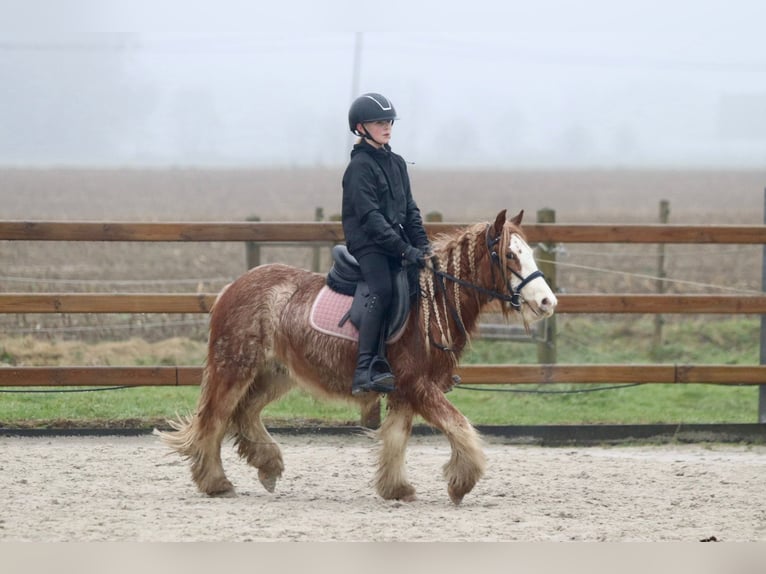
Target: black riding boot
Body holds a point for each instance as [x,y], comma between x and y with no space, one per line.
[373,373]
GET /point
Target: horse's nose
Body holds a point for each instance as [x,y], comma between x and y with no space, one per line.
[548,304]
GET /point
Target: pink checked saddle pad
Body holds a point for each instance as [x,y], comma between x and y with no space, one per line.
[328,311]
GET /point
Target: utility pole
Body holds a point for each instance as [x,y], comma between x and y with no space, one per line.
[355,73]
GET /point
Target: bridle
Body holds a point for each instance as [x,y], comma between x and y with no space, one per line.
[513,296]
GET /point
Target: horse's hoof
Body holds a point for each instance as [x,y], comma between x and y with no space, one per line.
[269,481]
[455,497]
[222,489]
[404,493]
[223,494]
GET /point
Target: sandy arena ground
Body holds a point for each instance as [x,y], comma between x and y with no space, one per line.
[128,489]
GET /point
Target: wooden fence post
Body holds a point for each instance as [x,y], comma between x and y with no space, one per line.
[434,216]
[659,321]
[334,217]
[253,249]
[546,253]
[316,260]
[371,415]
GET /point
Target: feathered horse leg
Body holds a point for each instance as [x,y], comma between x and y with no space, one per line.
[467,463]
[199,436]
[391,479]
[254,443]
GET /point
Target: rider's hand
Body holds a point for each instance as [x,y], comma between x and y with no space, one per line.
[414,256]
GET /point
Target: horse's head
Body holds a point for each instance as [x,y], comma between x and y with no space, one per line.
[512,256]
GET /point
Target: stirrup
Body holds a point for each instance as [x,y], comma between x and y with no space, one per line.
[381,381]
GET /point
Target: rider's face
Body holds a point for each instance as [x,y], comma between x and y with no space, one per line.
[380,131]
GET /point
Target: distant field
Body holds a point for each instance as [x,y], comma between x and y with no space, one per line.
[292,195]
[619,196]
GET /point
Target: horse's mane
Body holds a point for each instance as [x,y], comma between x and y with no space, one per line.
[462,253]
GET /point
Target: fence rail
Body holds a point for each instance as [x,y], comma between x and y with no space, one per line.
[203,302]
[302,232]
[254,232]
[470,374]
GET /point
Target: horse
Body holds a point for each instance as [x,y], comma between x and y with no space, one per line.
[261,345]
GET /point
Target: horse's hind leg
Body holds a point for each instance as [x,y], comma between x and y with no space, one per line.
[199,437]
[391,479]
[466,465]
[254,443]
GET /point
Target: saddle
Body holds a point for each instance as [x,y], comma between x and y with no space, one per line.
[345,278]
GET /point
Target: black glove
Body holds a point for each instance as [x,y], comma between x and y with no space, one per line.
[414,256]
[428,255]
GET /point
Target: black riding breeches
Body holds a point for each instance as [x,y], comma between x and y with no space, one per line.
[378,273]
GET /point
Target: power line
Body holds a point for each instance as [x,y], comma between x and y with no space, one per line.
[544,392]
[200,45]
[435,46]
[46,391]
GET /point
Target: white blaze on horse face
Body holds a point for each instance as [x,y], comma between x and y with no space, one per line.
[538,295]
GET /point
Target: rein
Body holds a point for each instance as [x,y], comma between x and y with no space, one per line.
[440,276]
[492,294]
[514,296]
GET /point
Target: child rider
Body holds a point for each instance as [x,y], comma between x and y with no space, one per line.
[382,227]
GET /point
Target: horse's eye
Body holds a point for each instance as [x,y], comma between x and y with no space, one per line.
[510,256]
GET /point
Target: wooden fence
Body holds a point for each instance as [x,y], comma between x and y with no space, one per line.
[331,232]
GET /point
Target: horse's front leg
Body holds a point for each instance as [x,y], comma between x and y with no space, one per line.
[467,463]
[391,479]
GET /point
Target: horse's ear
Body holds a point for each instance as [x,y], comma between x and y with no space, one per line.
[499,222]
[517,220]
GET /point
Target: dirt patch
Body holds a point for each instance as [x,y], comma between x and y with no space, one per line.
[130,489]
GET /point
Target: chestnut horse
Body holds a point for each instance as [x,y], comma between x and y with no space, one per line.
[261,345]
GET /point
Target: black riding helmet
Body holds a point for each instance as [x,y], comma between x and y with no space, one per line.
[370,107]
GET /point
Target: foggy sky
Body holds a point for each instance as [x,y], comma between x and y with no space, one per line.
[573,84]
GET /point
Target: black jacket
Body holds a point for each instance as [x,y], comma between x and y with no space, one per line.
[379,213]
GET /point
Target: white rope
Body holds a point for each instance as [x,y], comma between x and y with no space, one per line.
[117,326]
[647,254]
[652,277]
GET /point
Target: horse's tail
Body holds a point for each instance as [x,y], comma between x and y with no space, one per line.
[183,434]
[185,430]
[181,438]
